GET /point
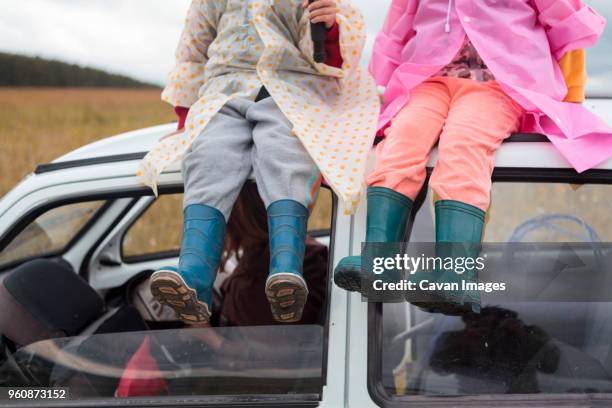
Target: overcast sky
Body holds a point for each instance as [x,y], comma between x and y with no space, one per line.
[138,37]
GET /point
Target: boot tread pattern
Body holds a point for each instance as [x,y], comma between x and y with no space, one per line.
[348,281]
[287,296]
[348,274]
[169,289]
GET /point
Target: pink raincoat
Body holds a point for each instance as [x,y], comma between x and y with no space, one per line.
[519,40]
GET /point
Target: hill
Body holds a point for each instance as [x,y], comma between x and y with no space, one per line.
[22,71]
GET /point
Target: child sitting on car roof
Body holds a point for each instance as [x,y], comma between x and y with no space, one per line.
[465,75]
[255,101]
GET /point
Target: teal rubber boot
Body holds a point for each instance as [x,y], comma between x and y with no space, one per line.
[387,219]
[459,229]
[286,288]
[189,289]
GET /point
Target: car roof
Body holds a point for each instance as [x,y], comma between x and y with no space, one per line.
[521,150]
[134,145]
[141,140]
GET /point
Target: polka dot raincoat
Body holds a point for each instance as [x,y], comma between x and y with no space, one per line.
[230,48]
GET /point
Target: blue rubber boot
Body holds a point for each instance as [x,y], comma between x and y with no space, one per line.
[189,290]
[387,219]
[286,288]
[459,228]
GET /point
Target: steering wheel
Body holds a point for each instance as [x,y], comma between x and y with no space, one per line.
[552,222]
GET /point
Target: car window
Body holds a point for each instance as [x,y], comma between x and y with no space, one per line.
[512,346]
[50,232]
[525,212]
[158,231]
[284,361]
[321,214]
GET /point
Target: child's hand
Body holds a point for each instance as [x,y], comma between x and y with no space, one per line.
[322,11]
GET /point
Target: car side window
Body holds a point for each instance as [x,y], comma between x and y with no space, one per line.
[51,232]
[549,212]
[558,347]
[527,212]
[158,231]
[321,214]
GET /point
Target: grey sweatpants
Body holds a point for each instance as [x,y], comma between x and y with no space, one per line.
[248,137]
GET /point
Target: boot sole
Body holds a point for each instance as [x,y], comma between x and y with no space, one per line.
[348,281]
[438,304]
[287,294]
[169,289]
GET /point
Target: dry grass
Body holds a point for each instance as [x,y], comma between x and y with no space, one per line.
[38,125]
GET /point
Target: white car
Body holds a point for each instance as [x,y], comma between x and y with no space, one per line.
[74,303]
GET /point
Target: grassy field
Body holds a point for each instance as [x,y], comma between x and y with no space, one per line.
[38,125]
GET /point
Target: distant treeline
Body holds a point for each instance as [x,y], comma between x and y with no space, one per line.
[19,70]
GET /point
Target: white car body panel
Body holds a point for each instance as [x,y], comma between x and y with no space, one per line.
[141,140]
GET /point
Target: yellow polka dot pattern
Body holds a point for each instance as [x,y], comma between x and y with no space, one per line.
[230,48]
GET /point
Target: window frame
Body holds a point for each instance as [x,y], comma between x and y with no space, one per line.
[227,401]
[307,400]
[375,317]
[155,256]
[315,233]
[205,401]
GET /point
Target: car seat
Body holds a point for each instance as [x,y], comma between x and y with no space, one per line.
[45,299]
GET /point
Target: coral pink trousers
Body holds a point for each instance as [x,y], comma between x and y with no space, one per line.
[468,119]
